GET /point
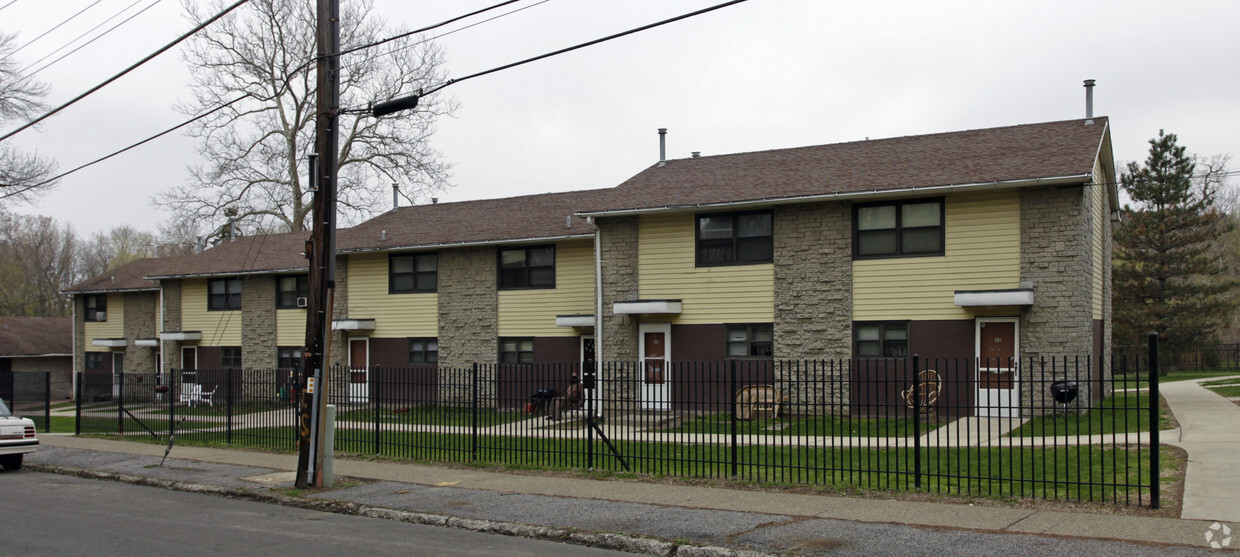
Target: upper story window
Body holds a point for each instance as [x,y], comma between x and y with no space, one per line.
[413,272]
[96,307]
[230,357]
[734,239]
[423,350]
[750,341]
[887,339]
[516,350]
[527,267]
[901,228]
[289,289]
[223,294]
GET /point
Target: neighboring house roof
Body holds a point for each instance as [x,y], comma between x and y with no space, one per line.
[36,336]
[128,277]
[487,221]
[1064,151]
[268,253]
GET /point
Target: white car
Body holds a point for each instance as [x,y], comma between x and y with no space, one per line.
[16,438]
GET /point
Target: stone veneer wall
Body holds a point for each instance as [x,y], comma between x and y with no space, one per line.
[619,254]
[813,297]
[1055,256]
[340,309]
[468,319]
[258,322]
[172,322]
[141,316]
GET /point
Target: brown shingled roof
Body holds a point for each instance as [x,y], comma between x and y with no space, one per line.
[247,254]
[548,215]
[35,336]
[1024,152]
[129,276]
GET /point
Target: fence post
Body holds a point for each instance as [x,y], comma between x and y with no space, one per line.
[473,415]
[77,397]
[119,380]
[1154,445]
[375,397]
[916,424]
[228,407]
[732,405]
[47,402]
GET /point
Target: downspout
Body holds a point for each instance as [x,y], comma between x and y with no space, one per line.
[73,312]
[159,330]
[598,315]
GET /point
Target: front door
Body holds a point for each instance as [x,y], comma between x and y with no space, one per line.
[359,369]
[656,354]
[118,372]
[998,369]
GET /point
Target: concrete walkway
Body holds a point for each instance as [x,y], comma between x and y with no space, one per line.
[1210,433]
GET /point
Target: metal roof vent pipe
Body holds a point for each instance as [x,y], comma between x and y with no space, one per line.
[697,154]
[1089,102]
[232,229]
[395,196]
[662,146]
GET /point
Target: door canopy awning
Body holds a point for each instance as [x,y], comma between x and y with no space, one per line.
[647,307]
[982,298]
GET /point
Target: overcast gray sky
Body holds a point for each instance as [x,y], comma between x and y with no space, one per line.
[763,74]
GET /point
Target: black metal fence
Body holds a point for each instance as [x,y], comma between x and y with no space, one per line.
[1207,357]
[1061,428]
[28,394]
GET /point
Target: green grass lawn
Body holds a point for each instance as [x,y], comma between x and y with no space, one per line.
[430,414]
[827,426]
[1141,381]
[1121,412]
[1230,389]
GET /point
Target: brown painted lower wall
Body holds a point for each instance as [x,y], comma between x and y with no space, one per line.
[698,343]
[946,346]
[552,350]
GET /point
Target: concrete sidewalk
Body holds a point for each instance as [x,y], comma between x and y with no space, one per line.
[1210,433]
[724,520]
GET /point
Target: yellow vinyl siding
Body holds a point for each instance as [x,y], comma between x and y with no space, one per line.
[396,315]
[533,312]
[114,327]
[290,327]
[982,252]
[219,328]
[1100,223]
[710,295]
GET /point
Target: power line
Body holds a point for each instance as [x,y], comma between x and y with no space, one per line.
[126,70]
[582,45]
[427,28]
[441,35]
[71,18]
[11,2]
[87,43]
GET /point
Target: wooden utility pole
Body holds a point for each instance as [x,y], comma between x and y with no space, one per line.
[321,251]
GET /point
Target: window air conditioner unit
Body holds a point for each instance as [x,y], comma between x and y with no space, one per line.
[101,316]
[302,301]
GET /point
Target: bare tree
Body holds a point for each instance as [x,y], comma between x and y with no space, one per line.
[37,261]
[256,150]
[21,174]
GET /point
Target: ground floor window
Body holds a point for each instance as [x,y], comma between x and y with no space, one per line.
[750,341]
[230,357]
[880,339]
[288,357]
[423,350]
[94,361]
[516,350]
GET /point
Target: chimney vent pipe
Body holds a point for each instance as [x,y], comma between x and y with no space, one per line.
[697,154]
[662,144]
[395,196]
[1089,100]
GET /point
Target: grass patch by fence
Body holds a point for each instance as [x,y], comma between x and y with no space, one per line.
[1141,381]
[1119,413]
[825,426]
[430,414]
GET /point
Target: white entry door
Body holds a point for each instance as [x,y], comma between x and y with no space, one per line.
[359,369]
[656,355]
[998,367]
[118,372]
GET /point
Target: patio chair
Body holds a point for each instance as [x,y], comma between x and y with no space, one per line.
[927,394]
[757,402]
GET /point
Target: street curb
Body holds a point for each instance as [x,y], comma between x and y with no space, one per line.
[602,540]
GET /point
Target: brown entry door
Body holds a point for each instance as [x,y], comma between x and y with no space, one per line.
[997,352]
[357,360]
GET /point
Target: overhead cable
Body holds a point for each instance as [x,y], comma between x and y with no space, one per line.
[148,58]
[85,44]
[57,26]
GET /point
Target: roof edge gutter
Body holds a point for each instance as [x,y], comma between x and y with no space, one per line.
[980,186]
[469,244]
[229,273]
[110,291]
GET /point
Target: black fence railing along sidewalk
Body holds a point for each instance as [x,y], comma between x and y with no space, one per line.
[28,394]
[1056,428]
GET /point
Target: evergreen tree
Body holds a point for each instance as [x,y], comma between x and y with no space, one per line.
[1169,276]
